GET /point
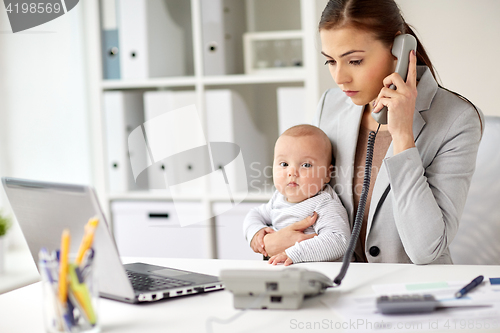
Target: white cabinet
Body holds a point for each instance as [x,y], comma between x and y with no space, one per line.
[258,92]
[231,243]
[152,229]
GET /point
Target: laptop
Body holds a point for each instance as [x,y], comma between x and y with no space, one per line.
[45,209]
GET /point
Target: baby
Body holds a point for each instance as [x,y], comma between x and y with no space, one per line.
[301,172]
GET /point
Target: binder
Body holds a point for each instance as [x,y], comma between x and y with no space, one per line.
[229,121]
[223,25]
[177,139]
[153,43]
[177,168]
[234,27]
[110,57]
[123,111]
[110,44]
[214,54]
[291,107]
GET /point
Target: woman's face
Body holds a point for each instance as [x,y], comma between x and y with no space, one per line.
[357,61]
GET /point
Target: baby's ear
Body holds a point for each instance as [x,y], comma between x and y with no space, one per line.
[330,173]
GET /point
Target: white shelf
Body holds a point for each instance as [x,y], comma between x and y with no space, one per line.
[283,77]
[163,195]
[153,195]
[184,81]
[250,197]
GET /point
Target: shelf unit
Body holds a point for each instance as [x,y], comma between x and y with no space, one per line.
[311,78]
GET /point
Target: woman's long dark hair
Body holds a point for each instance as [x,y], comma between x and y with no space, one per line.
[380,17]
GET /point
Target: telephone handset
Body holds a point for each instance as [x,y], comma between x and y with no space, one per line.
[401,48]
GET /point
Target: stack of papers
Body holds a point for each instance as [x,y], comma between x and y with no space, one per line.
[478,309]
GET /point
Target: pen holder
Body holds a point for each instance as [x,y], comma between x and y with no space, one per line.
[78,311]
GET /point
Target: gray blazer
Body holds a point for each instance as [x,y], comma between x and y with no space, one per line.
[419,194]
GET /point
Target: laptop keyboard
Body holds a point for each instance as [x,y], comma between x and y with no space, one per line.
[144,282]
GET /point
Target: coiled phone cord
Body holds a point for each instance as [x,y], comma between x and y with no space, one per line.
[358,221]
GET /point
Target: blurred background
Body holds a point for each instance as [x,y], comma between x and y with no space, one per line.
[53,80]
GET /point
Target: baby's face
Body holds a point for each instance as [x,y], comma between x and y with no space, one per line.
[300,167]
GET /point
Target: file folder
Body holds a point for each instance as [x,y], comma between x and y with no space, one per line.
[110,55]
[153,43]
[178,136]
[291,107]
[214,54]
[234,28]
[110,41]
[123,111]
[223,25]
[157,103]
[229,120]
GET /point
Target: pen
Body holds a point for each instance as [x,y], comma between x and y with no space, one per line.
[87,240]
[87,263]
[63,267]
[473,284]
[80,293]
[48,264]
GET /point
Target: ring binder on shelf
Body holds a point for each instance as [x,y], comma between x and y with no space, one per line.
[291,107]
[155,104]
[223,25]
[110,41]
[228,120]
[153,43]
[123,111]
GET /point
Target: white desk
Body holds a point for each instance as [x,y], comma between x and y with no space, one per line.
[20,270]
[20,310]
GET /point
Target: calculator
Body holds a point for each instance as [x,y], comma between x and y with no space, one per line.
[400,304]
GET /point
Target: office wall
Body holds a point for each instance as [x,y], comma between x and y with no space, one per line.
[43,113]
[461,38]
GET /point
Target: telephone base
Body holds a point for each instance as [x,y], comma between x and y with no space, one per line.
[276,302]
[269,289]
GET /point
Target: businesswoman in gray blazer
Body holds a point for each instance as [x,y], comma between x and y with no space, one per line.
[424,157]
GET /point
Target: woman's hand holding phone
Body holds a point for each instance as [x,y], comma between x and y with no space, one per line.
[401,106]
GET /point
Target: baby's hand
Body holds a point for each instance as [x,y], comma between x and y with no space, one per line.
[280,258]
[257,243]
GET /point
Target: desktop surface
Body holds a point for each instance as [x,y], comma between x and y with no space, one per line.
[190,313]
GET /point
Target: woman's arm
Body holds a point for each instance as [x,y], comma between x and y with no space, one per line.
[281,240]
[428,203]
[333,232]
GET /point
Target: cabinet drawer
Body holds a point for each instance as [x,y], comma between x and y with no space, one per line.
[231,243]
[152,229]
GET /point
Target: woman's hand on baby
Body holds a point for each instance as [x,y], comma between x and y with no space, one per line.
[257,243]
[281,240]
[280,258]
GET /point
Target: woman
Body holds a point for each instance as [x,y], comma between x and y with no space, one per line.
[424,157]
